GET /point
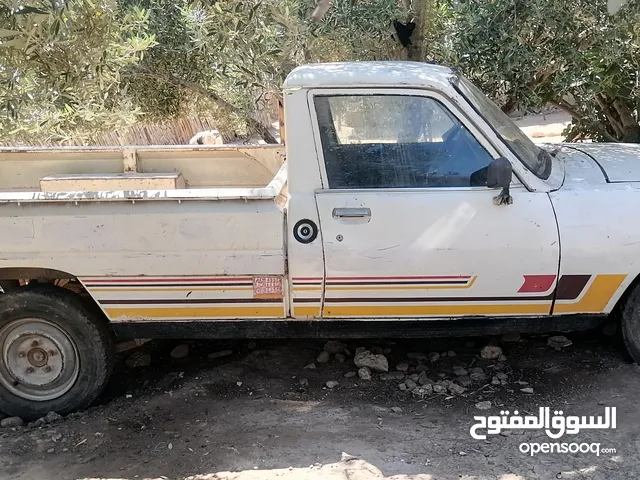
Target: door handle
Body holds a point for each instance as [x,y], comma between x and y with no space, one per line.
[351,212]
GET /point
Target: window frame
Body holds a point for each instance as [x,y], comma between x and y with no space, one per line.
[445,102]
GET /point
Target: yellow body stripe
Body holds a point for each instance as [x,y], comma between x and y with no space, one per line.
[195,312]
[597,297]
[433,310]
[170,289]
[306,311]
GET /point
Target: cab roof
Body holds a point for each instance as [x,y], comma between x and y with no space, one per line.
[367,74]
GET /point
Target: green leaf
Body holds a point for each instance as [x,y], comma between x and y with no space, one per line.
[8,33]
[29,10]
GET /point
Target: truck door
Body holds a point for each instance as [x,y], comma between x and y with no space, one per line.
[408,225]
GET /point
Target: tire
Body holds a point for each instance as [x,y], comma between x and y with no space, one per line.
[631,324]
[56,352]
[7,285]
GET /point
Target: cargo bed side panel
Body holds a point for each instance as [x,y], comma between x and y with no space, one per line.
[159,260]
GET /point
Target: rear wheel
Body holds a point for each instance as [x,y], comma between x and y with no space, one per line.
[56,352]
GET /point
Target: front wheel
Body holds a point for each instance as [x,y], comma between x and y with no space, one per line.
[57,353]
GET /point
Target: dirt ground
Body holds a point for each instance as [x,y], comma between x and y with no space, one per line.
[258,413]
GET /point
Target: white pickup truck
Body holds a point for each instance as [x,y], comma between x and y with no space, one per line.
[409,204]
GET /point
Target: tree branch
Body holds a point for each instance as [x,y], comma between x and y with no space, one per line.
[626,117]
[321,10]
[606,109]
[564,105]
[252,123]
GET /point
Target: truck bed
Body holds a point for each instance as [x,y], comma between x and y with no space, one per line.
[190,211]
[111,173]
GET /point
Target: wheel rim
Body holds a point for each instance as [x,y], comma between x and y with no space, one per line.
[40,361]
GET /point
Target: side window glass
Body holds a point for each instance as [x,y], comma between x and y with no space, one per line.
[397,141]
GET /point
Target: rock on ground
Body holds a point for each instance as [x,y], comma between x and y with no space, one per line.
[558,342]
[402,367]
[138,360]
[460,372]
[464,381]
[332,384]
[423,391]
[486,405]
[433,356]
[364,373]
[11,422]
[437,388]
[181,351]
[456,389]
[491,352]
[392,376]
[223,353]
[511,337]
[324,357]
[417,357]
[350,374]
[377,363]
[424,380]
[52,417]
[333,347]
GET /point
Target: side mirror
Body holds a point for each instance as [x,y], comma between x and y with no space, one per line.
[499,175]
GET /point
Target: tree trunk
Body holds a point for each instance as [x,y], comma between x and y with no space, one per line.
[630,128]
[251,122]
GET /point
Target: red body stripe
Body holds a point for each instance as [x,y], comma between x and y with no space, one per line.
[165,280]
[451,277]
[537,283]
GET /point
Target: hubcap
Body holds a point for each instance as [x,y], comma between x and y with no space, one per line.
[40,361]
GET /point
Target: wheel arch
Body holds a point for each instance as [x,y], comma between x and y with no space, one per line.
[620,303]
[21,277]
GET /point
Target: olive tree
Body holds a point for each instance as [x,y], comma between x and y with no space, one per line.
[568,53]
[60,67]
[231,56]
